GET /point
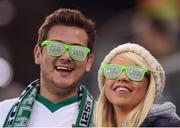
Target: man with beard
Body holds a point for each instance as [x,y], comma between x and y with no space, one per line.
[65,53]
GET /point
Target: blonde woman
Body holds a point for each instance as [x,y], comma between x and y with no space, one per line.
[131,82]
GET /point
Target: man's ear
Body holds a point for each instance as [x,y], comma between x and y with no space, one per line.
[90,62]
[37,54]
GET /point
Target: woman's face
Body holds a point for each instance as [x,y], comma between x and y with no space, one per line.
[122,92]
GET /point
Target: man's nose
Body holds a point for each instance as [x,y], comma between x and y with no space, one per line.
[65,56]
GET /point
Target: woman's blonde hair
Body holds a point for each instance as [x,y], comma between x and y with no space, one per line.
[104,109]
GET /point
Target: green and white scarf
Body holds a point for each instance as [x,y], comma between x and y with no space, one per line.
[20,112]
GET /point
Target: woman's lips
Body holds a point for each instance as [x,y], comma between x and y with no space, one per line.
[122,89]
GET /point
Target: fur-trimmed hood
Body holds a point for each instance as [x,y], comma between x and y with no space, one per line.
[166,109]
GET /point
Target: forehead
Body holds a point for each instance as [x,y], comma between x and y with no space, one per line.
[68,34]
[122,60]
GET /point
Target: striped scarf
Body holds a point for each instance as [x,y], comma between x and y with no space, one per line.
[20,112]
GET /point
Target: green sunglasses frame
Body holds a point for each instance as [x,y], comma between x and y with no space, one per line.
[66,47]
[124,68]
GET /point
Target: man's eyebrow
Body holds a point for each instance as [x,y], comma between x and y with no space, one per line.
[70,44]
[59,41]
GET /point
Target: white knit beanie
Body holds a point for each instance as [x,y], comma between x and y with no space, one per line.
[159,74]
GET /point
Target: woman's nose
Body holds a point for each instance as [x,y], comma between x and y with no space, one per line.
[123,77]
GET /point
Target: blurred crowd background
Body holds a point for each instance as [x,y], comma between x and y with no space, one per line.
[154,24]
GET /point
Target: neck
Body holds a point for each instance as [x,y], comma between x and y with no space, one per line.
[58,94]
[121,113]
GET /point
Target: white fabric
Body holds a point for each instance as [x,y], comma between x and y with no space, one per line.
[5,106]
[41,116]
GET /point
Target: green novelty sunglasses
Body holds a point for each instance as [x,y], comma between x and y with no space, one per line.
[134,73]
[57,48]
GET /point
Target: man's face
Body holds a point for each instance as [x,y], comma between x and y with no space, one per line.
[62,74]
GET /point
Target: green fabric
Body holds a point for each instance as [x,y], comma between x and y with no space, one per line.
[55,106]
[86,110]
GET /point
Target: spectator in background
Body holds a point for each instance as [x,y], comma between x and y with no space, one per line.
[65,53]
[156,26]
[153,34]
[131,82]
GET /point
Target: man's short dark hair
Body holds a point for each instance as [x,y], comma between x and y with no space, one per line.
[68,17]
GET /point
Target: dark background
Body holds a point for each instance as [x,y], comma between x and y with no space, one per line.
[116,21]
